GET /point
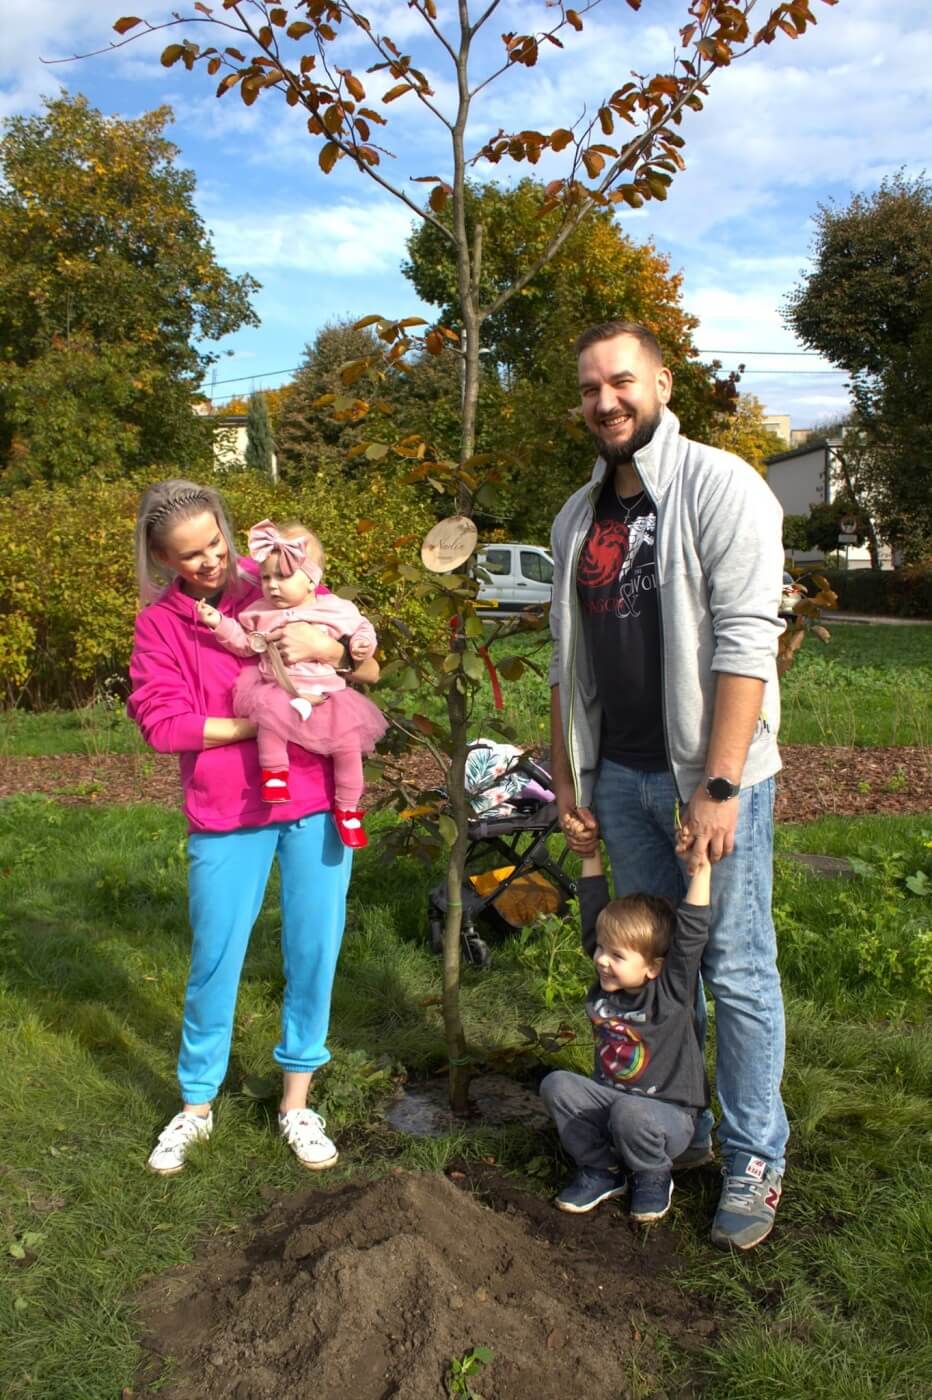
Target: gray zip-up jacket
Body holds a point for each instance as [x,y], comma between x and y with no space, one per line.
[719,564]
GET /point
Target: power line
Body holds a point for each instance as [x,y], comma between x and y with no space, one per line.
[271,373]
[814,353]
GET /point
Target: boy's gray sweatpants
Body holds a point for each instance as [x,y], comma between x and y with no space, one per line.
[600,1126]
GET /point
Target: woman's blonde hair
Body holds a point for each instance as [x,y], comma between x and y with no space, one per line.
[163,506]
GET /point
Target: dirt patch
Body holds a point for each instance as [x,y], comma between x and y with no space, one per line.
[815,781]
[369,1290]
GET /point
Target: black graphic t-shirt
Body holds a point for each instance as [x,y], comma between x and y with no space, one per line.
[617,585]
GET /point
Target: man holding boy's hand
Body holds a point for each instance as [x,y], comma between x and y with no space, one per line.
[665,704]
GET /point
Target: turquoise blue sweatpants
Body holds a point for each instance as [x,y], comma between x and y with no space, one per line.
[227,876]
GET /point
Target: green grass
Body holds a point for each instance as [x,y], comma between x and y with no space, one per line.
[868,685]
[93,953]
[90,729]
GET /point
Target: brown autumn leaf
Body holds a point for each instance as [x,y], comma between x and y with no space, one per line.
[328,157]
[128,22]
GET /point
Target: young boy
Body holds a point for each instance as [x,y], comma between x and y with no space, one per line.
[638,1110]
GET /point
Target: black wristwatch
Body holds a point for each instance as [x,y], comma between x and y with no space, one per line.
[721,790]
[347,665]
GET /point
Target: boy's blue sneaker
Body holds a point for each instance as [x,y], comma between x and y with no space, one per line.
[748,1203]
[588,1189]
[651,1194]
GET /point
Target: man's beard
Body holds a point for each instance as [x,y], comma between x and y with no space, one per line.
[614,456]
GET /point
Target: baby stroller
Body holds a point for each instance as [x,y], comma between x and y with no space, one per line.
[510,877]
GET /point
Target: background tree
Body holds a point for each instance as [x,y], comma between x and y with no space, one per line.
[310,434]
[745,433]
[867,306]
[260,449]
[107,277]
[598,274]
[625,148]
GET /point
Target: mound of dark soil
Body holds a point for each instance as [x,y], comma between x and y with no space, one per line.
[367,1291]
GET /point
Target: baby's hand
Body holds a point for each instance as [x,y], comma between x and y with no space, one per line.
[209,616]
[359,648]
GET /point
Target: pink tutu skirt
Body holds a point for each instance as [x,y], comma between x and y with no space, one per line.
[345,720]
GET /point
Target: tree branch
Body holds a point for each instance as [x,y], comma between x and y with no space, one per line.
[539,38]
[633,149]
[390,59]
[436,30]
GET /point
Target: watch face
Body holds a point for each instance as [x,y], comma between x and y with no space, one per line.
[721,789]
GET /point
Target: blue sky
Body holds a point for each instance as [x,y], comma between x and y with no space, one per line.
[795,125]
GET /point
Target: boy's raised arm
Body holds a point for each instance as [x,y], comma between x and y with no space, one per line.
[592,891]
[700,885]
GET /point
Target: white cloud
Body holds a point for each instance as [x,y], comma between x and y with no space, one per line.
[344,240]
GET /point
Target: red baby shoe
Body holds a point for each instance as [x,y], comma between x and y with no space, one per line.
[348,822]
[275,785]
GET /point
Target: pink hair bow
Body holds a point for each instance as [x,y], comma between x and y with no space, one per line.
[264,540]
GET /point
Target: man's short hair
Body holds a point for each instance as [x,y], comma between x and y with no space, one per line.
[608,330]
[641,923]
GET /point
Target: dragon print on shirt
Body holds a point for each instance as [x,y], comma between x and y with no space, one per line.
[611,578]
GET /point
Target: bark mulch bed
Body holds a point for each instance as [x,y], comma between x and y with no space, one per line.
[815,781]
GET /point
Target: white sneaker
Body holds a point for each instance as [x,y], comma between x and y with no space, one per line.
[167,1157]
[303,1130]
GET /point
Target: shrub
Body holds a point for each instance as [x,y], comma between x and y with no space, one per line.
[894,592]
[67,595]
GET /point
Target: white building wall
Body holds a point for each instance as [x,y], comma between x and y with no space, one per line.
[799,482]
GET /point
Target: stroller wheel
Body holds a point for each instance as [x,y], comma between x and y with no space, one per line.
[475,950]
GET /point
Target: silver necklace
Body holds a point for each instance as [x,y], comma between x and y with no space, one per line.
[629,510]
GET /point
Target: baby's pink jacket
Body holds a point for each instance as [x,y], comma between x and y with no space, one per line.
[339,616]
[181,675]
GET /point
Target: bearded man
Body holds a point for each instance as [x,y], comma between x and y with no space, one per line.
[665,706]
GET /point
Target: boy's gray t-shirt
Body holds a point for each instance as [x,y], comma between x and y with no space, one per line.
[647,1041]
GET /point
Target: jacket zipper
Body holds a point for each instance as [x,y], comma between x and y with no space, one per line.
[569,719]
[663,665]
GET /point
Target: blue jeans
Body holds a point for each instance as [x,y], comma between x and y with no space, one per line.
[227,875]
[635,814]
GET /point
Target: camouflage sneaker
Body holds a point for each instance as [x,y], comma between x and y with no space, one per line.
[748,1203]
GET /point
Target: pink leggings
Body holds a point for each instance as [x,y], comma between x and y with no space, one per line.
[347,767]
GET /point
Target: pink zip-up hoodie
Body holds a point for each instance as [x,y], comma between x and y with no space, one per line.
[181,675]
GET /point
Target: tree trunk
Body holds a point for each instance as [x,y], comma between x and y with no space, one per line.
[467,264]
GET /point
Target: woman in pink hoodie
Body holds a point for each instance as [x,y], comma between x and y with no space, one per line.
[182,694]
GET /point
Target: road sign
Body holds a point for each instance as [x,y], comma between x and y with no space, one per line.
[848,525]
[846,537]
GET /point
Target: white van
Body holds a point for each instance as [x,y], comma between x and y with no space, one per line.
[514,576]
